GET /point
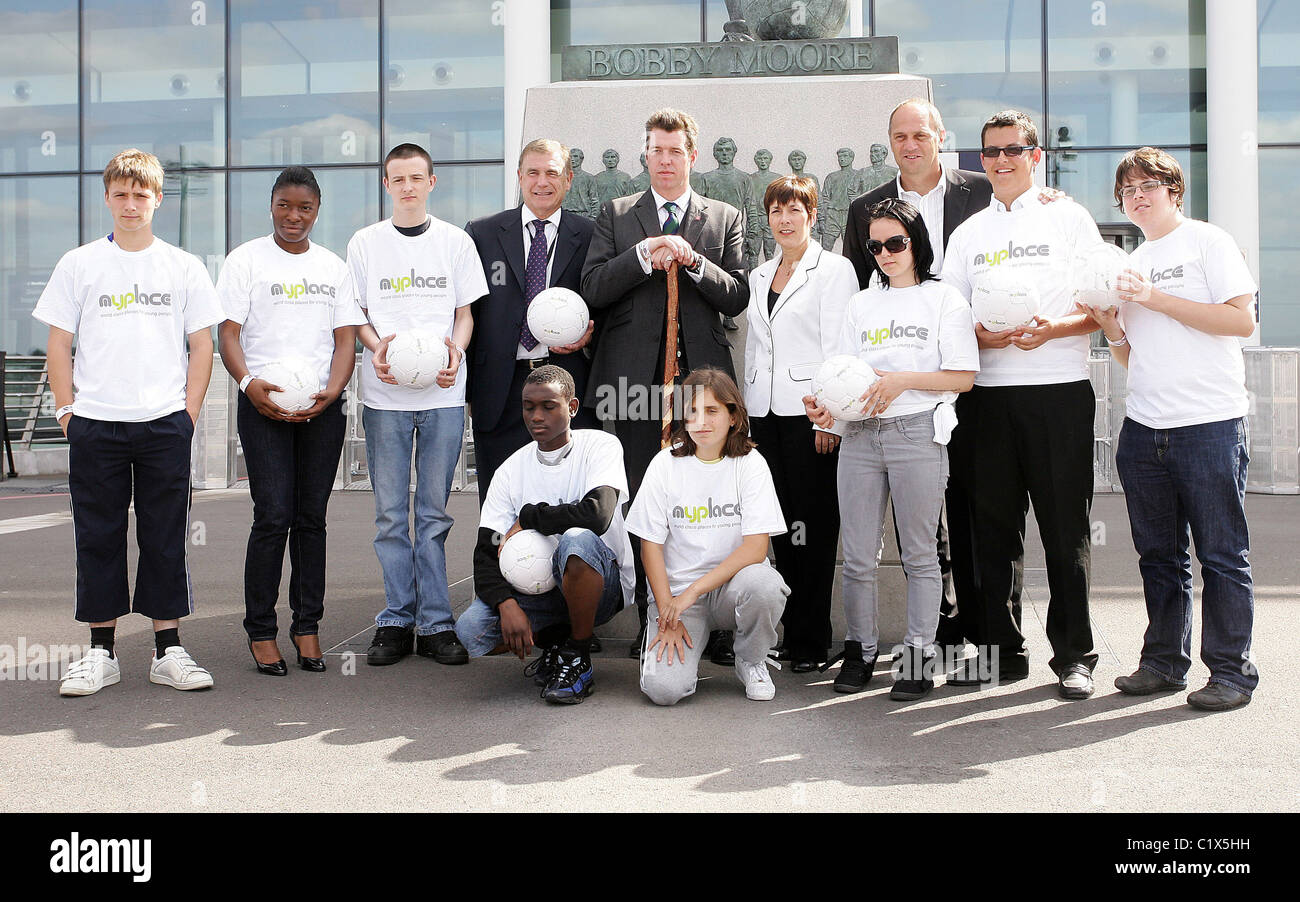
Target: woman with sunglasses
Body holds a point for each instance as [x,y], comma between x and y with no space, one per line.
[916,333]
[796,307]
[1188,296]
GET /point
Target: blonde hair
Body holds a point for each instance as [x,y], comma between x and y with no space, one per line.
[670,120]
[134,165]
[549,148]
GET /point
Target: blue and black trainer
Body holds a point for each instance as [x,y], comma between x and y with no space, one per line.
[542,668]
[573,680]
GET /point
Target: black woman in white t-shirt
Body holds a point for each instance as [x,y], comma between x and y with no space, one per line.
[288,303]
[1186,299]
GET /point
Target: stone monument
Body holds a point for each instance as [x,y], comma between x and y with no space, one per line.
[612,183]
[583,196]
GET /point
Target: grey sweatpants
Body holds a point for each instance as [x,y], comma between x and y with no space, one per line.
[880,458]
[750,603]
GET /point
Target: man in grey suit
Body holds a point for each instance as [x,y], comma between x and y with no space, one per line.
[624,281]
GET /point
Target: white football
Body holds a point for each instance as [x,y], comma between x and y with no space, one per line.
[1002,301]
[557,316]
[1093,275]
[526,561]
[840,383]
[297,380]
[415,357]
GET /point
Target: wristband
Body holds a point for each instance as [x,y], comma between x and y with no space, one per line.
[1118,342]
[62,411]
[243,383]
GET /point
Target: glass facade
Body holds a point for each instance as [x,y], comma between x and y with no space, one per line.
[226,92]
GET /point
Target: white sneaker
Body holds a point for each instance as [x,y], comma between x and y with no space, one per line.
[758,683]
[91,674]
[177,669]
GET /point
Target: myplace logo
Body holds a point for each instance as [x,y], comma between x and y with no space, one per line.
[300,289]
[1012,252]
[401,283]
[75,855]
[136,296]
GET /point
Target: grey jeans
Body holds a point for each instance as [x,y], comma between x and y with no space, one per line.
[750,603]
[895,457]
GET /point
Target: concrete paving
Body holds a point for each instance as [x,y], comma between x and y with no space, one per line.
[418,736]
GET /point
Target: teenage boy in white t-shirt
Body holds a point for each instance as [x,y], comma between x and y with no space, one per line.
[413,271]
[128,407]
[1188,297]
[565,483]
[288,299]
[705,513]
[1025,429]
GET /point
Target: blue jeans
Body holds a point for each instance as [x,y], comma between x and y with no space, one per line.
[415,576]
[479,627]
[1181,484]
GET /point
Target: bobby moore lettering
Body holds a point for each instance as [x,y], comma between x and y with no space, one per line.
[103,856]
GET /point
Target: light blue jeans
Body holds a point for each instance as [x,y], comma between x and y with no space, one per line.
[415,576]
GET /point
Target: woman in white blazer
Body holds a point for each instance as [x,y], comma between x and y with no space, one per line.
[796,305]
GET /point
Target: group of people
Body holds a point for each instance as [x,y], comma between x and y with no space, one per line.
[676,512]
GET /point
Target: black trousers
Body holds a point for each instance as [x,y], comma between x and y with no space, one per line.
[1022,444]
[805,555]
[109,465]
[493,446]
[291,469]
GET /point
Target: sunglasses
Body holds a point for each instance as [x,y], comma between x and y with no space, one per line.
[1147,187]
[895,245]
[1011,150]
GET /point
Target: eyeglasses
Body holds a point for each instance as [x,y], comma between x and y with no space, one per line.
[1011,150]
[1147,187]
[895,245]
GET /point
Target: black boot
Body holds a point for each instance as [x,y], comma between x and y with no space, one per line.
[855,672]
[914,680]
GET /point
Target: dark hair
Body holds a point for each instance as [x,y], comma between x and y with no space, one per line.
[723,387]
[1153,163]
[553,375]
[1016,119]
[910,218]
[296,175]
[406,152]
[786,188]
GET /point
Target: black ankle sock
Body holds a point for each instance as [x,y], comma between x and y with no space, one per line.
[165,639]
[579,647]
[551,635]
[102,637]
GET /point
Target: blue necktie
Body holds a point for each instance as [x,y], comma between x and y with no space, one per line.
[670,224]
[534,279]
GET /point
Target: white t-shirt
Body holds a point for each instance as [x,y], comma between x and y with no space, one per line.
[131,311]
[1177,375]
[1036,241]
[417,282]
[288,305]
[921,329]
[700,511]
[596,460]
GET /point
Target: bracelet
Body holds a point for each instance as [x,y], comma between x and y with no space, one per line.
[62,412]
[1118,342]
[243,383]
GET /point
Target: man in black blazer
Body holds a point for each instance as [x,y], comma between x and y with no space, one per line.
[624,279]
[519,263]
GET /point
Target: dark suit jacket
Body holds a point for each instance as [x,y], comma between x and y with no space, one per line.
[633,305]
[499,315]
[965,195]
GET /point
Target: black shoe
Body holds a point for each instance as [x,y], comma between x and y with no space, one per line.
[443,647]
[634,650]
[1075,682]
[573,680]
[1144,682]
[596,646]
[1217,697]
[914,680]
[278,668]
[719,648]
[543,667]
[729,324]
[311,665]
[856,672]
[803,665]
[390,645]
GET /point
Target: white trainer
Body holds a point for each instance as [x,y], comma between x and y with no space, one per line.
[758,683]
[177,669]
[91,674]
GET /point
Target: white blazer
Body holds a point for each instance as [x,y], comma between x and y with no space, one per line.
[783,350]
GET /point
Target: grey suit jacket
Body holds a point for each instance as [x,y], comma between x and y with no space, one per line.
[965,194]
[631,306]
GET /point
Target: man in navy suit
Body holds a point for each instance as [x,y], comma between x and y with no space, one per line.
[524,250]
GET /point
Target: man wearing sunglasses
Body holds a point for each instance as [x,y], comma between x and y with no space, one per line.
[1026,426]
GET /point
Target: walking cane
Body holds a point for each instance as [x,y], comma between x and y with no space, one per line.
[670,357]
